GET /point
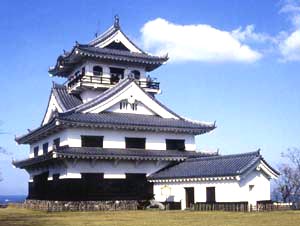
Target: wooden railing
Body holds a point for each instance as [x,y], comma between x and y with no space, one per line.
[243,206]
[222,206]
[96,79]
[149,84]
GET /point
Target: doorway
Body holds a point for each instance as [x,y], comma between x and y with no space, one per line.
[210,195]
[189,197]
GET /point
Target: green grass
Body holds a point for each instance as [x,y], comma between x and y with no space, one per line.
[17,216]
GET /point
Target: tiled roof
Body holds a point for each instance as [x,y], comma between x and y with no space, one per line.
[215,166]
[81,51]
[110,154]
[136,122]
[65,100]
[110,120]
[112,53]
[109,33]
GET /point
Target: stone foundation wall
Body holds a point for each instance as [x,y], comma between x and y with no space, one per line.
[56,206]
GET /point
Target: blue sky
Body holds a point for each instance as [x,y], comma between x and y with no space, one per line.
[236,62]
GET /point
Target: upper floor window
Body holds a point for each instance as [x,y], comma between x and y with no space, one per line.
[92,141]
[175,144]
[136,74]
[36,151]
[97,70]
[83,71]
[45,148]
[56,143]
[133,142]
[116,74]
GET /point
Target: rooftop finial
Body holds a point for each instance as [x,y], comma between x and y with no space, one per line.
[116,22]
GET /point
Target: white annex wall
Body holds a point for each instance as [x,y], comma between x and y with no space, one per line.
[225,190]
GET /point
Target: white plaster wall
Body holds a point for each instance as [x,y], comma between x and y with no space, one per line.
[63,141]
[116,138]
[52,106]
[113,139]
[132,91]
[106,71]
[110,168]
[141,109]
[225,190]
[88,95]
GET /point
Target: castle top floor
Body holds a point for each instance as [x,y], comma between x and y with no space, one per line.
[106,60]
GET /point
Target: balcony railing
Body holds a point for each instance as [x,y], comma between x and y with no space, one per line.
[100,80]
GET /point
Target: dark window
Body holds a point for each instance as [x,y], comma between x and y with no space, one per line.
[116,74]
[97,70]
[139,143]
[56,143]
[210,195]
[83,71]
[36,151]
[92,141]
[136,74]
[45,148]
[173,144]
[55,176]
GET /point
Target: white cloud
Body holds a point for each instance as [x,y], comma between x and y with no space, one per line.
[290,47]
[292,9]
[249,35]
[199,42]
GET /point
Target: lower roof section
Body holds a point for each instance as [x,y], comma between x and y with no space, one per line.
[109,154]
[215,166]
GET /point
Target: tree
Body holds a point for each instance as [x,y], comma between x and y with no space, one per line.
[288,185]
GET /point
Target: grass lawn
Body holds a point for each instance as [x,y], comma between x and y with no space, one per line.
[15,216]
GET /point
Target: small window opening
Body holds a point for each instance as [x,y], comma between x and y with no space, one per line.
[175,144]
[97,70]
[139,143]
[36,151]
[45,148]
[136,74]
[92,141]
[116,74]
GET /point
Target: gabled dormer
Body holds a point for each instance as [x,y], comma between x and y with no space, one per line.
[104,61]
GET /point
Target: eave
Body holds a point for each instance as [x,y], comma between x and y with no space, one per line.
[82,153]
[66,63]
